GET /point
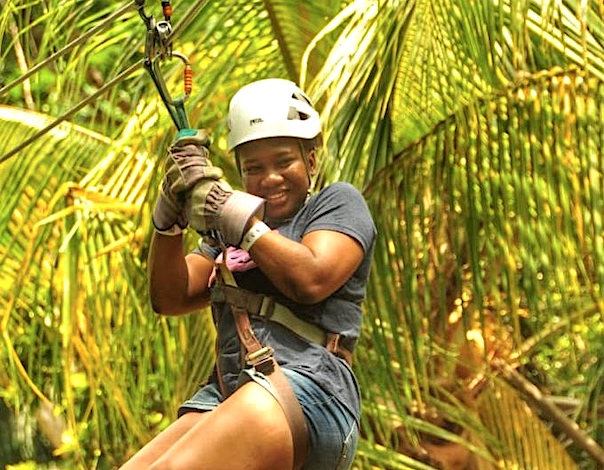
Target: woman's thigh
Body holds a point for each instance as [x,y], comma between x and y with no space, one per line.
[333,432]
[161,443]
[248,430]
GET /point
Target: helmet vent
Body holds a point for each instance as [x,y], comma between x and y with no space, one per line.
[294,114]
[301,97]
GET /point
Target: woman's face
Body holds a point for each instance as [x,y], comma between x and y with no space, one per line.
[275,170]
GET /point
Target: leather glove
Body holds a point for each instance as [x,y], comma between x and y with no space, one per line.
[187,164]
[215,206]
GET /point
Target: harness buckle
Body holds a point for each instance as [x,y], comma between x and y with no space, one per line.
[261,360]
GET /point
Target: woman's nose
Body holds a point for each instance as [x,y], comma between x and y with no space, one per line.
[273,176]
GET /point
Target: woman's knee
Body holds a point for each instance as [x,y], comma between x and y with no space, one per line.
[249,429]
[260,420]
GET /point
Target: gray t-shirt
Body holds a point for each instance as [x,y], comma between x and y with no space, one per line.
[339,207]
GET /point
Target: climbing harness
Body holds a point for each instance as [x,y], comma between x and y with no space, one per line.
[265,307]
[261,359]
[244,305]
[158,47]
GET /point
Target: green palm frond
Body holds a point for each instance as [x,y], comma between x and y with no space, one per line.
[85,251]
[474,130]
[294,28]
[491,230]
[501,151]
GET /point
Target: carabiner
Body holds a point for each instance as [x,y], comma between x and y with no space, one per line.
[158,47]
[176,106]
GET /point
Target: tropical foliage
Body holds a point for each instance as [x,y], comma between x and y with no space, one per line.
[475,130]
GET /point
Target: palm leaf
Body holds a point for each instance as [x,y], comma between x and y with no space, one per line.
[474,193]
[84,249]
[476,143]
[523,440]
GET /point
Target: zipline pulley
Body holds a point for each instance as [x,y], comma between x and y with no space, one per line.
[158,47]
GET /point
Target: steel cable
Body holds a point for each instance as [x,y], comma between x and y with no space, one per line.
[67,48]
[110,84]
[187,18]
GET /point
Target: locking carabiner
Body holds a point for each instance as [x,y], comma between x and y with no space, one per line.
[158,47]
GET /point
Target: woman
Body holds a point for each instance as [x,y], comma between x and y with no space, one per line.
[306,257]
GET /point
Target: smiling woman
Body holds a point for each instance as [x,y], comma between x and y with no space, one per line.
[285,272]
[473,129]
[277,169]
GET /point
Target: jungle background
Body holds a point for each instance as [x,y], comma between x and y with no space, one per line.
[475,130]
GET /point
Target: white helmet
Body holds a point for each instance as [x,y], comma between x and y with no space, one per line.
[273,107]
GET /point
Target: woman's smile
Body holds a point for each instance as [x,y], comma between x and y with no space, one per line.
[277,198]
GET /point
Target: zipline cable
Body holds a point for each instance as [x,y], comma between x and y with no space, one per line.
[187,18]
[73,44]
[117,79]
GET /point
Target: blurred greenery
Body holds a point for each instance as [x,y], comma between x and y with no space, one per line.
[475,130]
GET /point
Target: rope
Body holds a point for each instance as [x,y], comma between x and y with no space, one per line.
[187,18]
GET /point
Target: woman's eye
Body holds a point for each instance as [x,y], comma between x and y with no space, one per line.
[285,163]
[251,170]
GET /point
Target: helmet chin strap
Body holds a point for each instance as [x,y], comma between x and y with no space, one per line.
[304,153]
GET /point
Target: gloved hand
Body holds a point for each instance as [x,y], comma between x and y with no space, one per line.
[188,163]
[215,206]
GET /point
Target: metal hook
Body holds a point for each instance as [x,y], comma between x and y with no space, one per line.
[158,47]
[175,106]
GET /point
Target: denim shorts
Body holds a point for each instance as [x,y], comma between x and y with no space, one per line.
[333,431]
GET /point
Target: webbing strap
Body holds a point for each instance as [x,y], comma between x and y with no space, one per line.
[262,360]
[293,413]
[225,273]
[263,306]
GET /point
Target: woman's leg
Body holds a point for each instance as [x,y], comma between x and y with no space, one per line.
[247,431]
[163,441]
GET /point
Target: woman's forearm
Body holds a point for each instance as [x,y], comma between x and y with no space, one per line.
[177,283]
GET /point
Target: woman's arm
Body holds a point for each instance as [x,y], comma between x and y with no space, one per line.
[310,271]
[178,284]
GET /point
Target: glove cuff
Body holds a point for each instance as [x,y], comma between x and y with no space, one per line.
[236,214]
[167,218]
[192,136]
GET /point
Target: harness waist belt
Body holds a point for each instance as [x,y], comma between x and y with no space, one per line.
[264,306]
[279,313]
